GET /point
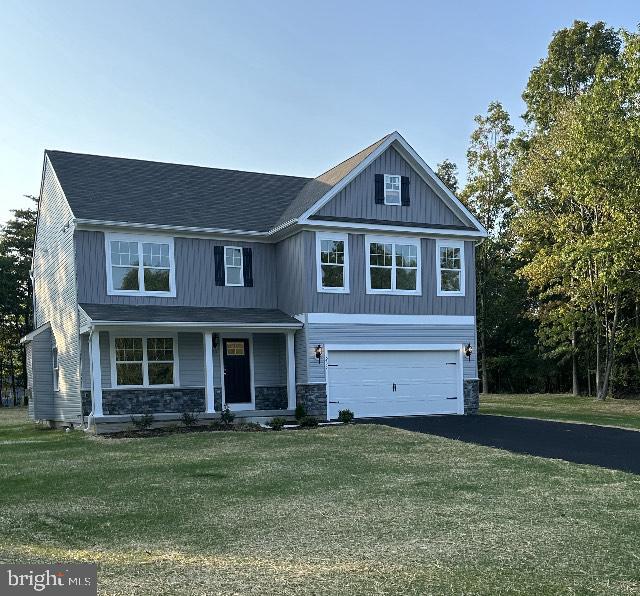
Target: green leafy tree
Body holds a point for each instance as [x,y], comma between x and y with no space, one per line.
[447,171]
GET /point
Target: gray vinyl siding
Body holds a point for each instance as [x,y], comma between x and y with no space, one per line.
[191,354]
[356,200]
[55,293]
[269,359]
[292,272]
[300,347]
[44,407]
[386,334]
[195,275]
[85,362]
[357,300]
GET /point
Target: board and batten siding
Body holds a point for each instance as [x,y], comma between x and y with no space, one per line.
[386,334]
[292,272]
[269,359]
[357,199]
[54,273]
[195,275]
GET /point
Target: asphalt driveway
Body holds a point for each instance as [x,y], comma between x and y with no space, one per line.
[612,448]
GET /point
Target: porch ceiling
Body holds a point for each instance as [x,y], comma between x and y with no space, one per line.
[118,314]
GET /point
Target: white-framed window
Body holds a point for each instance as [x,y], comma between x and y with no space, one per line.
[140,265]
[392,190]
[332,262]
[143,361]
[233,266]
[56,369]
[450,267]
[394,265]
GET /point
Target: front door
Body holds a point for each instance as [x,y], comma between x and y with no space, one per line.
[237,371]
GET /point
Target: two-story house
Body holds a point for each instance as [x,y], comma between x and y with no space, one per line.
[167,288]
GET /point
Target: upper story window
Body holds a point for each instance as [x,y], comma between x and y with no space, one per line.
[393,265]
[140,265]
[392,189]
[332,262]
[450,267]
[143,362]
[233,266]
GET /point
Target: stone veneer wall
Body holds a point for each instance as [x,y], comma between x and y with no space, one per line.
[85,395]
[314,398]
[471,396]
[271,398]
[139,401]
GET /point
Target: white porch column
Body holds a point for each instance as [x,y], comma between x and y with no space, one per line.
[291,371]
[96,373]
[208,371]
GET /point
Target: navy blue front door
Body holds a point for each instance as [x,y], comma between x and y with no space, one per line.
[237,371]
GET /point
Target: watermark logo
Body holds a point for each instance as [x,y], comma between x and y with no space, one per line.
[77,579]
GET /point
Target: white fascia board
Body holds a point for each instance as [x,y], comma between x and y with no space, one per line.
[364,319]
[29,337]
[198,325]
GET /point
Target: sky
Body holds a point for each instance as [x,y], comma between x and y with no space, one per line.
[284,87]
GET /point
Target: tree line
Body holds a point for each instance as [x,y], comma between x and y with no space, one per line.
[557,277]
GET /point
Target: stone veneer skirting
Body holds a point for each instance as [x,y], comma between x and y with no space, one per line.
[314,398]
[139,401]
[471,396]
[85,396]
[271,398]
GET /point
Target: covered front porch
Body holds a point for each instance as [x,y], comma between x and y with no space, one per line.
[167,360]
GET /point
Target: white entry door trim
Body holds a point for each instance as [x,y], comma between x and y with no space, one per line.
[457,348]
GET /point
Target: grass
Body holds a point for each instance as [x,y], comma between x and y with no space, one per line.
[611,412]
[334,510]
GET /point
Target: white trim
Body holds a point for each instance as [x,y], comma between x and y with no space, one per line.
[55,361]
[458,348]
[438,232]
[208,371]
[145,361]
[226,282]
[340,237]
[387,177]
[29,337]
[393,240]
[450,244]
[96,374]
[265,327]
[291,372]
[365,319]
[242,406]
[140,239]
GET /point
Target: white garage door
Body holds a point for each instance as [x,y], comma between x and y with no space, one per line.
[394,382]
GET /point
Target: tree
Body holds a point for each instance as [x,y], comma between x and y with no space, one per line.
[488,194]
[448,173]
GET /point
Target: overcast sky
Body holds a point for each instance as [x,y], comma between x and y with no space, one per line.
[283,87]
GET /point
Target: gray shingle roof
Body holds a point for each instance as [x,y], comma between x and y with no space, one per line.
[127,313]
[148,192]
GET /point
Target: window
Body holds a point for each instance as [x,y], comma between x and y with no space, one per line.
[144,361]
[394,265]
[332,262]
[391,190]
[56,369]
[450,268]
[233,266]
[235,348]
[140,265]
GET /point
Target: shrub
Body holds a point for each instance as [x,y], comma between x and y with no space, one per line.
[345,416]
[308,422]
[277,423]
[142,422]
[301,412]
[227,416]
[189,418]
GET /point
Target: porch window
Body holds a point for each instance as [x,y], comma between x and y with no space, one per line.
[144,361]
[394,265]
[140,265]
[450,268]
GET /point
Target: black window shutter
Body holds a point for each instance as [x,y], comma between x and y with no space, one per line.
[404,191]
[379,178]
[218,259]
[247,267]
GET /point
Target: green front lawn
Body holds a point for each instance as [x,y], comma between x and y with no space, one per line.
[334,510]
[612,412]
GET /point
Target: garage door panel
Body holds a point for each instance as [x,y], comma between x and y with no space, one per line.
[426,382]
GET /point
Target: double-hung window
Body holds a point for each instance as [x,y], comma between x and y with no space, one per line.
[450,267]
[392,189]
[233,266]
[139,265]
[394,265]
[56,369]
[144,361]
[332,262]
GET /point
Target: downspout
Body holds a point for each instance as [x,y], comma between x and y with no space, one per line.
[87,427]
